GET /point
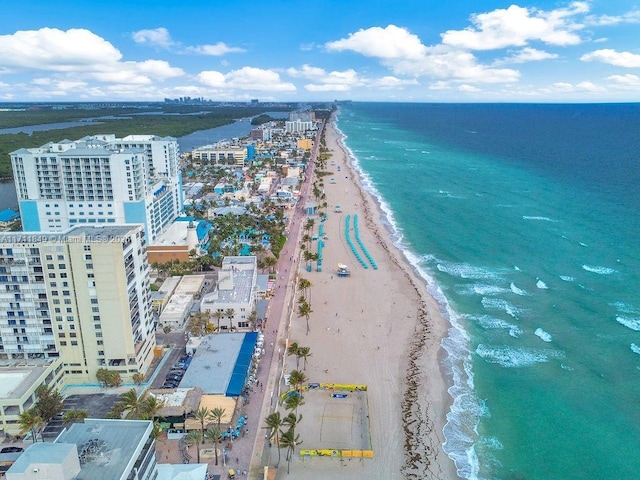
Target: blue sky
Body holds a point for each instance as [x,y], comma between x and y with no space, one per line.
[375,50]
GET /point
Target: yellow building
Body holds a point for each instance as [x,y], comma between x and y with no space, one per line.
[82,295]
[305,143]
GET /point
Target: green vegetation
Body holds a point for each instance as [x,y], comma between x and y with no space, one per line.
[260,119]
[108,378]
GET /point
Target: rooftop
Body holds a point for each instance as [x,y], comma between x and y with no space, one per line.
[119,440]
[220,363]
[16,377]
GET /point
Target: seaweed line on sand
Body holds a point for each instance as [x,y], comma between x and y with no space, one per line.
[417,414]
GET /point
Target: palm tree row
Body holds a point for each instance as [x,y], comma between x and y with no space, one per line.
[203,415]
[299,352]
[274,423]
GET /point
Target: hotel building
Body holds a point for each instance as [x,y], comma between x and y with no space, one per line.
[99,179]
[81,295]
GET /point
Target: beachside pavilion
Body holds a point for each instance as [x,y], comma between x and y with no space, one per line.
[222,363]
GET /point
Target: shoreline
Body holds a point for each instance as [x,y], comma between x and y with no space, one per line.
[378,327]
[428,320]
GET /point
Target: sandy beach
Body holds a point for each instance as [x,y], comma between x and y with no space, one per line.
[378,327]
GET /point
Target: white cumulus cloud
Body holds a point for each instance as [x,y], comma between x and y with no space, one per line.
[613,57]
[525,55]
[216,50]
[158,37]
[516,26]
[391,42]
[246,78]
[56,50]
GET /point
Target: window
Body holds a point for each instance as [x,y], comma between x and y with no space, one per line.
[98,334]
[75,344]
[63,344]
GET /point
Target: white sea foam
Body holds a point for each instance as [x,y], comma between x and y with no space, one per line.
[629,322]
[460,431]
[543,219]
[626,308]
[598,270]
[567,278]
[516,268]
[635,348]
[492,442]
[544,336]
[489,323]
[500,304]
[541,285]
[515,357]
[582,244]
[516,290]
[464,270]
[480,289]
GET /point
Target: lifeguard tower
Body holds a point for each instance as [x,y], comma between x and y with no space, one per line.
[343,270]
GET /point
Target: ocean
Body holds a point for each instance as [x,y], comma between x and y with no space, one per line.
[523,219]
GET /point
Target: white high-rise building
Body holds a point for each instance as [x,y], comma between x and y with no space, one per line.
[82,295]
[99,179]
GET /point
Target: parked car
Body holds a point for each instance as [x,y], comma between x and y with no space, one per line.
[170,384]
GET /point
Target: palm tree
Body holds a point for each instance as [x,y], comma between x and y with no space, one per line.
[289,440]
[132,404]
[157,430]
[273,423]
[230,313]
[194,437]
[293,402]
[202,414]
[138,378]
[296,379]
[304,285]
[150,407]
[304,353]
[30,420]
[253,319]
[216,415]
[292,349]
[73,415]
[213,434]
[218,315]
[304,310]
[292,420]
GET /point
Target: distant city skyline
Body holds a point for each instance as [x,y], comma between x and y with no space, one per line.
[285,51]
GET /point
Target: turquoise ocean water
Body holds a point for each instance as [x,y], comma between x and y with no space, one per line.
[524,220]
